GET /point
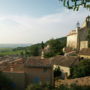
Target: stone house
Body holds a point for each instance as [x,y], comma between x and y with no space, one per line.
[38,70]
[64,63]
[34,70]
[85,53]
[15,71]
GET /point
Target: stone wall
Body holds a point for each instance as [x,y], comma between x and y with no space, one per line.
[85,56]
[83,44]
[72,41]
[37,75]
[84,81]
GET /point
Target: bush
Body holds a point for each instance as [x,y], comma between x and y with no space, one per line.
[57,72]
[61,87]
[40,87]
[81,70]
[49,54]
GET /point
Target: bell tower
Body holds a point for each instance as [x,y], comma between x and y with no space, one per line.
[78,36]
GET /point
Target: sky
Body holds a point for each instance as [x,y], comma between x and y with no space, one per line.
[33,21]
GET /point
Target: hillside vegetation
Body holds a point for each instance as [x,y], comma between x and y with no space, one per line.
[34,50]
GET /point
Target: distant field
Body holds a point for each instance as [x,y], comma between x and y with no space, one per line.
[8,51]
[5,49]
[13,45]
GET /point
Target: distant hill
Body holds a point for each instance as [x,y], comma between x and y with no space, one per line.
[13,45]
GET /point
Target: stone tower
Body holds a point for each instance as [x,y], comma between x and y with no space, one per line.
[78,36]
[77,39]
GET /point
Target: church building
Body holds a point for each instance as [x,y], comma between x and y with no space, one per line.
[79,38]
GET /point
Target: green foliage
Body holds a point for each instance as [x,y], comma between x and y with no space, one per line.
[42,45]
[49,54]
[39,87]
[55,47]
[35,50]
[57,72]
[75,4]
[5,83]
[81,70]
[61,87]
[73,87]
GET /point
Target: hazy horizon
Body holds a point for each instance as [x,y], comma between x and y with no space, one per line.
[33,21]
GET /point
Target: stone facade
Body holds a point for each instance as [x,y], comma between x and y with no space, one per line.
[65,71]
[72,40]
[39,75]
[78,39]
[18,79]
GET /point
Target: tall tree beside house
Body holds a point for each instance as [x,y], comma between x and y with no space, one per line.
[76,4]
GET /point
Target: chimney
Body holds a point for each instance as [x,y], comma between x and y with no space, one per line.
[42,54]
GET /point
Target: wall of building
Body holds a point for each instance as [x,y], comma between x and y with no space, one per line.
[17,78]
[65,70]
[83,44]
[83,34]
[37,75]
[85,56]
[72,41]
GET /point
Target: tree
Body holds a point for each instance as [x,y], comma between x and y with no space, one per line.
[81,70]
[42,45]
[75,4]
[55,46]
[49,54]
[57,72]
[34,50]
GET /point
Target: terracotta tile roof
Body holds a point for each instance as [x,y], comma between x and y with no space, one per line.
[17,65]
[85,51]
[68,50]
[66,61]
[37,62]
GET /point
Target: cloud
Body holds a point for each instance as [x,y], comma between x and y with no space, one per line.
[26,29]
